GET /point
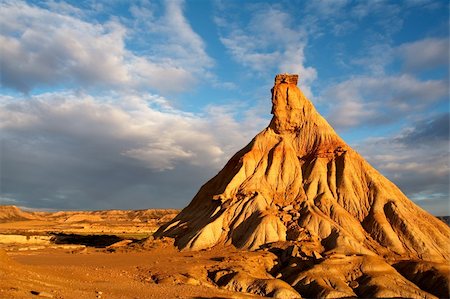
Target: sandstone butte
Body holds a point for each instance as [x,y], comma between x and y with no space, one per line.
[297,183]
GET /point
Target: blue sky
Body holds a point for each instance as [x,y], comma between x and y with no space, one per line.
[135,104]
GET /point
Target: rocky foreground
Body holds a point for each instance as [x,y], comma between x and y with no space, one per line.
[67,264]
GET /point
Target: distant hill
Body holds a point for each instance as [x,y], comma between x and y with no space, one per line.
[112,215]
[13,213]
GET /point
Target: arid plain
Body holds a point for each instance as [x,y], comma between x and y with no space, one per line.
[69,255]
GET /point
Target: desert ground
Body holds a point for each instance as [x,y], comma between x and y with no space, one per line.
[111,254]
[69,255]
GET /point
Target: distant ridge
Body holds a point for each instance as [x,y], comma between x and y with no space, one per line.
[13,213]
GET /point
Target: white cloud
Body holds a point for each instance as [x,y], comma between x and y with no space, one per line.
[378,100]
[376,59]
[159,136]
[425,54]
[327,8]
[184,42]
[41,47]
[169,35]
[269,42]
[159,155]
[420,55]
[344,17]
[416,159]
[389,16]
[64,8]
[94,152]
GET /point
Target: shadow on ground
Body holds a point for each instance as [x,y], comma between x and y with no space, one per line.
[97,241]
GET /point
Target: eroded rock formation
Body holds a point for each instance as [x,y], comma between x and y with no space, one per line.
[297,182]
[298,179]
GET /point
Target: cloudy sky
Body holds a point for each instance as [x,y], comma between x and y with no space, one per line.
[135,104]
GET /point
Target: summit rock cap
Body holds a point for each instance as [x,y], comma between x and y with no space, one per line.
[286,78]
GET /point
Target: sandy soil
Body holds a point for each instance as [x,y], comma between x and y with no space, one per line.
[94,257]
[65,255]
[96,273]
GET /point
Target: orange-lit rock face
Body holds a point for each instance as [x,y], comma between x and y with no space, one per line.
[297,180]
[287,107]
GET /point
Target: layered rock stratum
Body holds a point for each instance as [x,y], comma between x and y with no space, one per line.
[298,188]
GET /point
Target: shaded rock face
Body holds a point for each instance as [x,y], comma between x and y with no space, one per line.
[298,181]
